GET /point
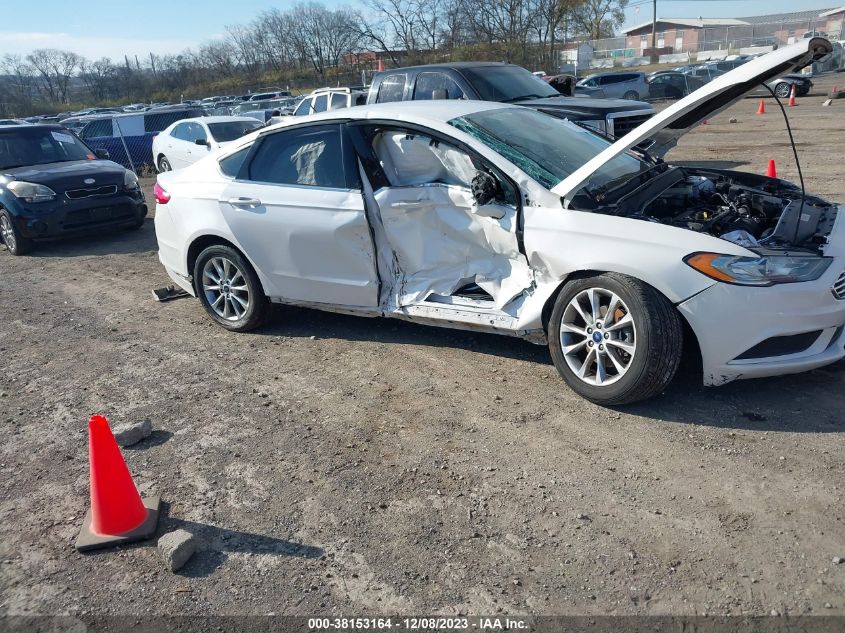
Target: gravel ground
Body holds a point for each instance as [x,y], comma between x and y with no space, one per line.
[332,464]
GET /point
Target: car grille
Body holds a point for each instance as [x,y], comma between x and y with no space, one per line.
[838,289]
[94,192]
[620,126]
[82,218]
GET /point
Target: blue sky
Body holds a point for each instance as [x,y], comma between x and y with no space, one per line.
[110,28]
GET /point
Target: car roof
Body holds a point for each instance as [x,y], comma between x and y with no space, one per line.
[216,119]
[421,112]
[455,65]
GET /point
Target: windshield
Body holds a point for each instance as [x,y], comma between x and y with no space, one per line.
[230,130]
[507,83]
[24,145]
[546,148]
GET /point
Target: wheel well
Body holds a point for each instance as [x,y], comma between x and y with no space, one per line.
[202,243]
[691,352]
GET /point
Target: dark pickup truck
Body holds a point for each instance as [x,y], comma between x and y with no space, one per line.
[506,83]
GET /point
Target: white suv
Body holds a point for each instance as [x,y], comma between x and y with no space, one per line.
[327,99]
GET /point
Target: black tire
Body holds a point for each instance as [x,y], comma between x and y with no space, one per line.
[163,164]
[11,236]
[257,308]
[632,95]
[783,89]
[658,338]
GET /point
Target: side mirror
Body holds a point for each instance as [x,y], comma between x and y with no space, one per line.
[202,141]
[440,93]
[484,188]
[103,153]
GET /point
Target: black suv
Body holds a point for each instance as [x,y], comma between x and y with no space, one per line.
[52,184]
[506,83]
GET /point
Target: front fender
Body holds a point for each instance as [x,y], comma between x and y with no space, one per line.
[560,242]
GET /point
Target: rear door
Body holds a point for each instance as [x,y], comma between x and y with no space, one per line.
[176,149]
[297,210]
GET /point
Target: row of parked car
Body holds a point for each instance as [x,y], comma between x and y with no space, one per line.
[679,82]
[496,212]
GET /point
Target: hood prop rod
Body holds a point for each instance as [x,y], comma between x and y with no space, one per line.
[797,164]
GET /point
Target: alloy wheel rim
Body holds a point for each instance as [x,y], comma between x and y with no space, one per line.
[598,336]
[7,232]
[225,288]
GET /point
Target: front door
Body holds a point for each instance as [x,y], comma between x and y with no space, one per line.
[297,211]
[445,240]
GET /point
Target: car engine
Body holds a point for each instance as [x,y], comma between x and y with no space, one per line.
[745,209]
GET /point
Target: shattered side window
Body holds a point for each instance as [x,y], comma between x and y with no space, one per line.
[414,159]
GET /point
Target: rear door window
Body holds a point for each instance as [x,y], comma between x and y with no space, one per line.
[180,132]
[338,100]
[392,88]
[427,83]
[97,129]
[309,156]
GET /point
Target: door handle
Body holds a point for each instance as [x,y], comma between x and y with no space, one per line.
[245,202]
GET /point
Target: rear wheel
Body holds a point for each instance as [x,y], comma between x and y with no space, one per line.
[632,95]
[163,164]
[229,289]
[14,241]
[614,339]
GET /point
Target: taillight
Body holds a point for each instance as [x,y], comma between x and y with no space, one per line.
[161,196]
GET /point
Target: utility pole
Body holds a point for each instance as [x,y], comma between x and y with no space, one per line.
[654,25]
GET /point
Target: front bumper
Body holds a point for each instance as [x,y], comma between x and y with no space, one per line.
[64,217]
[731,322]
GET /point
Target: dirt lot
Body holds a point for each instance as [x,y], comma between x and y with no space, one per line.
[333,464]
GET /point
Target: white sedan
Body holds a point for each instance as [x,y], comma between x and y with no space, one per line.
[496,218]
[186,141]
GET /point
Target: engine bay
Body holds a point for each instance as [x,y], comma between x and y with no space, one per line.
[749,210]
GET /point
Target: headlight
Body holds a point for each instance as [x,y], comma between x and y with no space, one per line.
[758,271]
[30,191]
[130,180]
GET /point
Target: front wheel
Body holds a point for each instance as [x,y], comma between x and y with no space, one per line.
[229,289]
[614,339]
[11,237]
[631,95]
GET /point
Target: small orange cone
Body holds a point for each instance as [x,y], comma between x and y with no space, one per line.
[118,514]
[771,172]
[762,108]
[792,97]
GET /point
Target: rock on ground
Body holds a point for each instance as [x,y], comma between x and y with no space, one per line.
[176,548]
[134,432]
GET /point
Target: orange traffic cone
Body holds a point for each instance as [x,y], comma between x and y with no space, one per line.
[118,514]
[792,97]
[762,108]
[771,172]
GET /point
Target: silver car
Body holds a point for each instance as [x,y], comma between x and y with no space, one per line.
[621,85]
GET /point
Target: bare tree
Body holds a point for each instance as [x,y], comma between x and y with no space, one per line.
[56,68]
[20,81]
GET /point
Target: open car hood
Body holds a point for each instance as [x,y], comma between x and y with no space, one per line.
[666,127]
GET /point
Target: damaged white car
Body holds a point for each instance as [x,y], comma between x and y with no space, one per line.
[498,218]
